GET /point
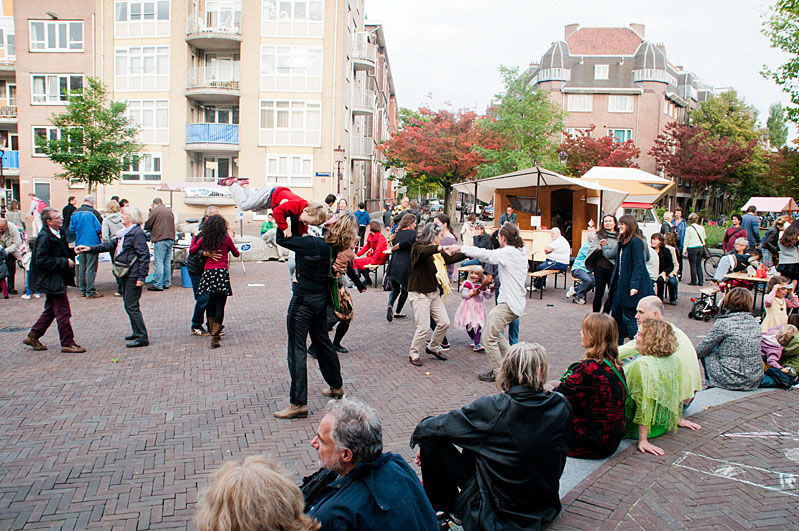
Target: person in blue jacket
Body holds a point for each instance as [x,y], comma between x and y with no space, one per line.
[363,220]
[85,226]
[751,224]
[630,281]
[679,227]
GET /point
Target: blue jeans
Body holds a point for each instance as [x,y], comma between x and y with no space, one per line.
[625,319]
[586,282]
[200,303]
[549,264]
[472,261]
[162,263]
[28,282]
[513,328]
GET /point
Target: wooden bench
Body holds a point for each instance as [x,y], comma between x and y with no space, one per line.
[372,268]
[543,274]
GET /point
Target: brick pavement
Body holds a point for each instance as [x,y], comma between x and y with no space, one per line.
[86,443]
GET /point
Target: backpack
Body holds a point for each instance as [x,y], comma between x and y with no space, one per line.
[40,206]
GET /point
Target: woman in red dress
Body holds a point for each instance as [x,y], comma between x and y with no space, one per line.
[373,253]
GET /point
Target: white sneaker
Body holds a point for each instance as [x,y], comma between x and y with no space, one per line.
[570,293]
[37,296]
[535,289]
[26,297]
[580,301]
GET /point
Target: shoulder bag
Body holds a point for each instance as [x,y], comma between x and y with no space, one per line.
[121,269]
[705,250]
[339,296]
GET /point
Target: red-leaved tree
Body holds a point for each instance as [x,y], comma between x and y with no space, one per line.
[436,147]
[689,153]
[586,151]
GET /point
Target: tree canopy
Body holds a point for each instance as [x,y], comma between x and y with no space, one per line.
[96,139]
[777,128]
[782,29]
[586,151]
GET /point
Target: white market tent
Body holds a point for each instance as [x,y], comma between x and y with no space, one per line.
[642,186]
[772,204]
[610,198]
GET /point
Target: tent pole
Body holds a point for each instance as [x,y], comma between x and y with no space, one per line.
[475,200]
[537,188]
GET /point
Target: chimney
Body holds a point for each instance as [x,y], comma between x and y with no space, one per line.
[639,29]
[662,47]
[568,30]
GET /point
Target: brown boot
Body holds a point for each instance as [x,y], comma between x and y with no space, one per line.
[216,329]
[333,393]
[32,340]
[292,412]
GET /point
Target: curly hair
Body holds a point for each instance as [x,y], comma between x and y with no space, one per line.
[511,234]
[657,338]
[343,233]
[214,233]
[603,335]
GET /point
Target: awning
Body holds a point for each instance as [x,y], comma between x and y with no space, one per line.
[531,177]
[772,204]
[642,186]
[194,188]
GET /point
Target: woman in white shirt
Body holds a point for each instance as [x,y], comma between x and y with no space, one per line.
[695,239]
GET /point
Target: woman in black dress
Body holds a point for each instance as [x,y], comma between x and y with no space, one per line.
[400,267]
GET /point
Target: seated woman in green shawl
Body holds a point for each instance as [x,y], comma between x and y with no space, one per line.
[653,404]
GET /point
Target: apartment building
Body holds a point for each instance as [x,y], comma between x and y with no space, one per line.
[293,93]
[9,139]
[624,85]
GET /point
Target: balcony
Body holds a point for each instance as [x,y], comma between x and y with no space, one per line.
[213,84]
[552,74]
[364,102]
[654,74]
[364,53]
[212,137]
[218,30]
[8,114]
[10,162]
[363,148]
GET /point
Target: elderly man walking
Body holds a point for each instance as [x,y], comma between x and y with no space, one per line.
[161,225]
[85,225]
[11,243]
[359,486]
[751,224]
[52,271]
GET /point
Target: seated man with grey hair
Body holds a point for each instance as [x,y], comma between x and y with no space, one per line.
[558,255]
[737,260]
[496,463]
[360,486]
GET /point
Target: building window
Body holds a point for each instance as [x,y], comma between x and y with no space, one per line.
[621,135]
[152,117]
[291,68]
[620,103]
[49,132]
[143,167]
[137,18]
[289,170]
[601,71]
[291,123]
[216,114]
[576,131]
[295,18]
[580,102]
[56,36]
[54,89]
[141,68]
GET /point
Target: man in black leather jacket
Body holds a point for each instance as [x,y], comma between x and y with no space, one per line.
[514,448]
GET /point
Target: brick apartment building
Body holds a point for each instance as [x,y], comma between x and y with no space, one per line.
[616,80]
[293,93]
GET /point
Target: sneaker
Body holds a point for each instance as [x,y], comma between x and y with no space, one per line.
[444,346]
[117,294]
[471,344]
[479,348]
[37,295]
[535,289]
[26,297]
[579,301]
[155,288]
[570,293]
[390,314]
[200,331]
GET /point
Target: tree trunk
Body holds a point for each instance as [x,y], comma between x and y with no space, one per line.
[694,196]
[447,197]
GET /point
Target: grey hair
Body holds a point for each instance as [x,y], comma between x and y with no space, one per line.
[88,199]
[653,302]
[429,232]
[135,215]
[527,365]
[356,427]
[45,215]
[211,210]
[742,241]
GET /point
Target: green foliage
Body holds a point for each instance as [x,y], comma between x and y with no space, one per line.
[715,235]
[782,29]
[777,128]
[97,140]
[522,129]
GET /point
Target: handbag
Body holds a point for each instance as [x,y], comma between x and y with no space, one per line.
[121,269]
[705,250]
[195,263]
[339,296]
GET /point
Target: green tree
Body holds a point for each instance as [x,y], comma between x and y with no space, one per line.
[782,28]
[777,128]
[97,140]
[523,128]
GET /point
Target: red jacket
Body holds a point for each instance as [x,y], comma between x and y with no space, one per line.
[293,207]
[375,246]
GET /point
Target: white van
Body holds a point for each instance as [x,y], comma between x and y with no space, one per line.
[646,216]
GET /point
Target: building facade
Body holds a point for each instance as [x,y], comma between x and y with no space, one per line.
[624,85]
[283,93]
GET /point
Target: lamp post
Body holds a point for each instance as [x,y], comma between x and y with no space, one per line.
[339,161]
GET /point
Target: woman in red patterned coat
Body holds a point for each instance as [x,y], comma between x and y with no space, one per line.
[374,251]
[596,390]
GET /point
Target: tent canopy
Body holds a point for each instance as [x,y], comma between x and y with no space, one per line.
[772,204]
[532,177]
[643,187]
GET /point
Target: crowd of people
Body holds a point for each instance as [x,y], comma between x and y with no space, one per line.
[479,469]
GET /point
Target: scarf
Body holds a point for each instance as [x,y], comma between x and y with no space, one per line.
[442,275]
[121,239]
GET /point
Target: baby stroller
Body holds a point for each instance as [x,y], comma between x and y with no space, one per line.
[705,308]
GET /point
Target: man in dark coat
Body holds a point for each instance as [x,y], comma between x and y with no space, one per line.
[52,270]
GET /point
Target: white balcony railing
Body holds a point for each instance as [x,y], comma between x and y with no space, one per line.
[552,74]
[8,111]
[363,147]
[364,99]
[219,21]
[212,77]
[654,74]
[363,49]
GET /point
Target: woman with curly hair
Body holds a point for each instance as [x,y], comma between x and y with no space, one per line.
[653,382]
[317,266]
[215,243]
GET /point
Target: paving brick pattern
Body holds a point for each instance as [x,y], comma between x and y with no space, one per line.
[86,443]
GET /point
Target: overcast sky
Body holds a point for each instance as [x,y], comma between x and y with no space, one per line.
[451,49]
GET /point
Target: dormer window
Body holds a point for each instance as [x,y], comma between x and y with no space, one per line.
[601,71]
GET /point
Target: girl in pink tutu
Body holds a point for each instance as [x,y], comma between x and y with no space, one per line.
[471,314]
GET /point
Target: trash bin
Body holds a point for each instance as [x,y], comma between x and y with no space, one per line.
[185,278]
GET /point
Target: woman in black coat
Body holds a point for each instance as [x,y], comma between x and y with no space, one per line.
[400,267]
[630,282]
[129,246]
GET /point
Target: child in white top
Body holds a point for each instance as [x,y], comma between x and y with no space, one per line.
[780,298]
[471,314]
